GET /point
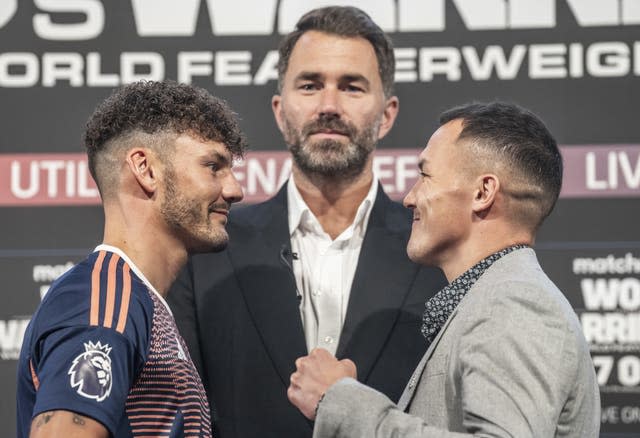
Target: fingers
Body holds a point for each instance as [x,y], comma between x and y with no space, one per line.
[318,360]
[321,353]
[314,375]
[305,399]
[296,379]
[349,368]
[293,394]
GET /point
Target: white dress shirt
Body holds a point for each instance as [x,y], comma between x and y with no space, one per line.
[324,268]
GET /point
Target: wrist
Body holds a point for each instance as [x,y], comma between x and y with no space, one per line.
[315,412]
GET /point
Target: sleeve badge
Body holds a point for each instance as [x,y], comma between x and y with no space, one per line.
[91,372]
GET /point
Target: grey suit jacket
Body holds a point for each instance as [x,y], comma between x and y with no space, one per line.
[511,361]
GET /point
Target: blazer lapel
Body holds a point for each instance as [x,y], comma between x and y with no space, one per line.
[410,389]
[268,286]
[380,285]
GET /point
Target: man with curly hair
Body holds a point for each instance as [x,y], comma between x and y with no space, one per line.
[102,355]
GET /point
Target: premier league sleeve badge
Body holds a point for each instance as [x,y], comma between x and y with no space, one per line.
[90,372]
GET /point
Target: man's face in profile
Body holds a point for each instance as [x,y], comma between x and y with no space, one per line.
[199,188]
[441,199]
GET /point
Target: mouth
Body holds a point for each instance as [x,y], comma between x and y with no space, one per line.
[218,215]
[219,209]
[329,133]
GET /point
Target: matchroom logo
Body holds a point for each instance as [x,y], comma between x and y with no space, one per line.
[7,10]
[11,334]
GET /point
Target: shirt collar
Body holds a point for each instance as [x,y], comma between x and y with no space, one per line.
[439,307]
[135,269]
[299,210]
[471,275]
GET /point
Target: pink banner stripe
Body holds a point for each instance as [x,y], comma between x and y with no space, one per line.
[591,171]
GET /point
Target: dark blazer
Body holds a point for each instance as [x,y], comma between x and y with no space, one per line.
[238,311]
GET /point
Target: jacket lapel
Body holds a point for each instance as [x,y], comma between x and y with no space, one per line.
[410,389]
[268,286]
[381,283]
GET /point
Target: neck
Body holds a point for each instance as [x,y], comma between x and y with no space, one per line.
[333,201]
[158,256]
[479,247]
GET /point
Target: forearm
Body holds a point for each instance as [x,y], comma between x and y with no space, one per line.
[352,410]
[66,424]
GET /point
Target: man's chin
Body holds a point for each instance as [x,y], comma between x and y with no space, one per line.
[418,255]
[330,165]
[202,247]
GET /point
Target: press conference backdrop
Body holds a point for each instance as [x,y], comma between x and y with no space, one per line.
[574,62]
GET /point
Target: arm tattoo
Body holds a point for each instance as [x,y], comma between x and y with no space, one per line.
[78,419]
[44,418]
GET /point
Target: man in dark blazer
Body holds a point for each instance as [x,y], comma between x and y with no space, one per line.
[331,234]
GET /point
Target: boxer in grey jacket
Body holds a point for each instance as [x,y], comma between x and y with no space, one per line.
[507,358]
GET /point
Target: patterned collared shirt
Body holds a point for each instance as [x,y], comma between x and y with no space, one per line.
[442,304]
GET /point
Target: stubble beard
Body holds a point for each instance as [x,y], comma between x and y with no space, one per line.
[189,222]
[331,158]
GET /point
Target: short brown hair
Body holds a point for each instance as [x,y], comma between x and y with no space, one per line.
[517,138]
[343,21]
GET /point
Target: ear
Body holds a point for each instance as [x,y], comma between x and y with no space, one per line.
[486,193]
[276,107]
[139,163]
[391,107]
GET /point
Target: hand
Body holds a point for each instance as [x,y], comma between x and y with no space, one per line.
[314,375]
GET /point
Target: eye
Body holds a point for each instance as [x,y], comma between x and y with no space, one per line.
[424,174]
[213,166]
[308,86]
[351,88]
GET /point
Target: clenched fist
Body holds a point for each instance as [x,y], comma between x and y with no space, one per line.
[314,374]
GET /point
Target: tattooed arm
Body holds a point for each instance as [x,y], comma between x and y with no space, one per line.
[66,424]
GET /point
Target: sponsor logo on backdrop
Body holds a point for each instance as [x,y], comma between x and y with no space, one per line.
[598,170]
[11,335]
[63,179]
[46,274]
[7,10]
[610,288]
[12,329]
[152,19]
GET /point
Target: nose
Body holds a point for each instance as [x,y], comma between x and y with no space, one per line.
[231,189]
[409,201]
[329,104]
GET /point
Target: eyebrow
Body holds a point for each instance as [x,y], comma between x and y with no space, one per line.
[308,76]
[220,158]
[355,77]
[349,77]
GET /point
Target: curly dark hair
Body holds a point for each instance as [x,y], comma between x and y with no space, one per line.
[344,21]
[158,109]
